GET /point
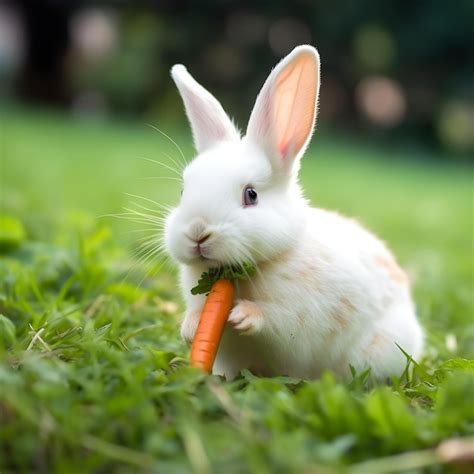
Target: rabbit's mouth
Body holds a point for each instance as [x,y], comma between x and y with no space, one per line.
[204,255]
[202,252]
[201,260]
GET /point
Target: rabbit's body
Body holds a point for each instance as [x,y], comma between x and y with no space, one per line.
[335,298]
[327,293]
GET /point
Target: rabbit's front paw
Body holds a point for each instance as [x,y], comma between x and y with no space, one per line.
[189,325]
[246,318]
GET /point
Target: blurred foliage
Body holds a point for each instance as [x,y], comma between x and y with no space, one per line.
[119,54]
[94,376]
[12,232]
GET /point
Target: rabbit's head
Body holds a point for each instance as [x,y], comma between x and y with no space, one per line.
[241,201]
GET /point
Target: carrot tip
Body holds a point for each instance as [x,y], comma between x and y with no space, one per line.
[211,325]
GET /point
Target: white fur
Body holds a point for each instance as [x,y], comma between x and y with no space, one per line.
[209,122]
[327,293]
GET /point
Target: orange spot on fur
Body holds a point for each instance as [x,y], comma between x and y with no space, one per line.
[308,271]
[376,343]
[377,339]
[301,318]
[341,320]
[342,315]
[347,304]
[387,262]
[277,261]
[324,253]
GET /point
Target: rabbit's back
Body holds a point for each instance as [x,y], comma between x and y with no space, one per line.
[337,297]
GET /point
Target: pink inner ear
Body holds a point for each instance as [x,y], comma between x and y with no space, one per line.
[283,149]
[209,126]
[295,104]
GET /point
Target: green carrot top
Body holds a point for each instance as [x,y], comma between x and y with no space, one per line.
[231,272]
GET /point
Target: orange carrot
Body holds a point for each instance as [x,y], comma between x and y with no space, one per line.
[211,325]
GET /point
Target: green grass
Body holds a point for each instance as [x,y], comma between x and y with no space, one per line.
[93,375]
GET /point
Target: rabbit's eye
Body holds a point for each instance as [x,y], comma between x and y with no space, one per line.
[250,196]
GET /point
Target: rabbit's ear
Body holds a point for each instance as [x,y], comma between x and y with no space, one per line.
[283,117]
[209,123]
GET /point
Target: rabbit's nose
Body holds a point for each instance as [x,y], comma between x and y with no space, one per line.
[200,238]
[198,231]
[203,238]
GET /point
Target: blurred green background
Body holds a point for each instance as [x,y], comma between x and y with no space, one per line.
[93,373]
[392,71]
[63,176]
[83,83]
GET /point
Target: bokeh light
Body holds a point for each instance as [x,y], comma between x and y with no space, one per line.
[11,41]
[94,33]
[225,61]
[246,28]
[374,47]
[287,33]
[381,100]
[410,73]
[456,125]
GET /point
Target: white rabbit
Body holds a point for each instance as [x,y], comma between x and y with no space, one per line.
[327,293]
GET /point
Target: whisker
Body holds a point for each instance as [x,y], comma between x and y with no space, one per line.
[245,256]
[141,206]
[135,212]
[132,217]
[147,274]
[170,139]
[142,260]
[179,166]
[139,219]
[160,163]
[147,250]
[169,178]
[148,241]
[156,203]
[134,231]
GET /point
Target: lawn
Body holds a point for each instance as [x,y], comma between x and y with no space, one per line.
[93,374]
